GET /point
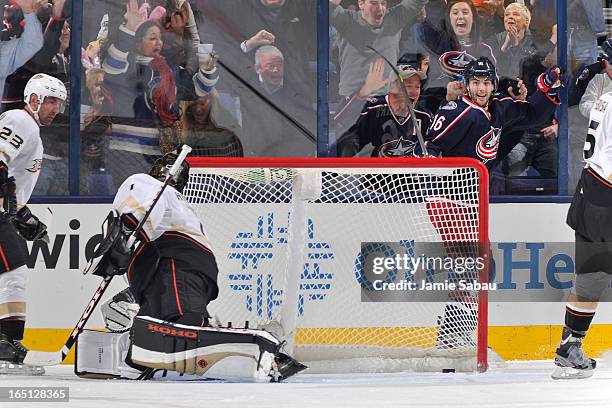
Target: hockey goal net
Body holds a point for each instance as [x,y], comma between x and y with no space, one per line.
[294,239]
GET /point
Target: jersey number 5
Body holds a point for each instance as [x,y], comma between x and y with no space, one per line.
[589,144]
[14,139]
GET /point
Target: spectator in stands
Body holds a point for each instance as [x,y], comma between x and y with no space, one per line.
[373,25]
[491,16]
[516,43]
[521,58]
[268,108]
[18,45]
[287,24]
[53,58]
[95,134]
[181,38]
[452,46]
[209,129]
[585,24]
[145,93]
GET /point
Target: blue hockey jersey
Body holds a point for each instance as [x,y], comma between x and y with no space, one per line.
[462,128]
[390,135]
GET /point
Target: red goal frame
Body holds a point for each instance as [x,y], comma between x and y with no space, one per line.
[452,162]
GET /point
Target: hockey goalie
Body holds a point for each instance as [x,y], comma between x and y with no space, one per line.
[159,324]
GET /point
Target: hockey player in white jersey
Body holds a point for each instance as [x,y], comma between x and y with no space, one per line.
[590,216]
[21,154]
[172,276]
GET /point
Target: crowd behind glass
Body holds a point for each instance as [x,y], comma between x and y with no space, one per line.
[236,78]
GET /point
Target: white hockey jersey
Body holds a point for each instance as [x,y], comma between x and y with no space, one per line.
[598,145]
[171,213]
[22,150]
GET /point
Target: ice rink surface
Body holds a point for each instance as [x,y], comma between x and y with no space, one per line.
[521,384]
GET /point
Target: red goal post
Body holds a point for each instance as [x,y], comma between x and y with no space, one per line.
[260,227]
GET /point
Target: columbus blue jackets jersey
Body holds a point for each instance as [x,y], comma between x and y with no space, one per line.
[462,128]
[390,135]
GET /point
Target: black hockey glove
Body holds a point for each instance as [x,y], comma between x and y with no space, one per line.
[29,226]
[7,192]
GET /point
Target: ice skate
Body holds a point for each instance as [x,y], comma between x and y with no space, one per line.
[571,360]
[12,353]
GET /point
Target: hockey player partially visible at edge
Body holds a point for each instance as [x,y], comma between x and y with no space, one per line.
[472,125]
[172,276]
[21,155]
[590,216]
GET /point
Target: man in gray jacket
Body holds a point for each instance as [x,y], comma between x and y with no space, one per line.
[376,26]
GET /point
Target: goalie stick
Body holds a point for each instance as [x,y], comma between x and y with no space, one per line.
[408,100]
[49,358]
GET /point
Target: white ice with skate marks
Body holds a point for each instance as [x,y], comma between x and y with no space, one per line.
[521,384]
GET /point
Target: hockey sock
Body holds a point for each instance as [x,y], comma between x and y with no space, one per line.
[13,328]
[578,320]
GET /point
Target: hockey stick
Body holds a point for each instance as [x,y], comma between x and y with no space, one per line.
[49,358]
[408,100]
[267,100]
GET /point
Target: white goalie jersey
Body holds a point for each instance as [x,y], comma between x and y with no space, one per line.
[598,146]
[172,213]
[22,150]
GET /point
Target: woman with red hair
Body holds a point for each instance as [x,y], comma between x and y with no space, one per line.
[146,91]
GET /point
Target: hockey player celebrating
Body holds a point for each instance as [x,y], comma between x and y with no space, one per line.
[385,121]
[172,275]
[471,126]
[589,216]
[21,155]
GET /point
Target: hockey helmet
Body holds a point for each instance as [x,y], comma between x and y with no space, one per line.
[480,68]
[162,166]
[43,85]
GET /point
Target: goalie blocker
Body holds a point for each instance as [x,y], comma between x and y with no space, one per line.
[214,353]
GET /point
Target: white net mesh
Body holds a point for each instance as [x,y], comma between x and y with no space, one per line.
[288,243]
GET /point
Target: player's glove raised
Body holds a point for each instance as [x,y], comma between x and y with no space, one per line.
[29,226]
[551,79]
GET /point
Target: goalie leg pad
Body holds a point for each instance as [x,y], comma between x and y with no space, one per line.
[101,355]
[220,353]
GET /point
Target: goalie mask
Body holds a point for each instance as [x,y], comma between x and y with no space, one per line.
[162,166]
